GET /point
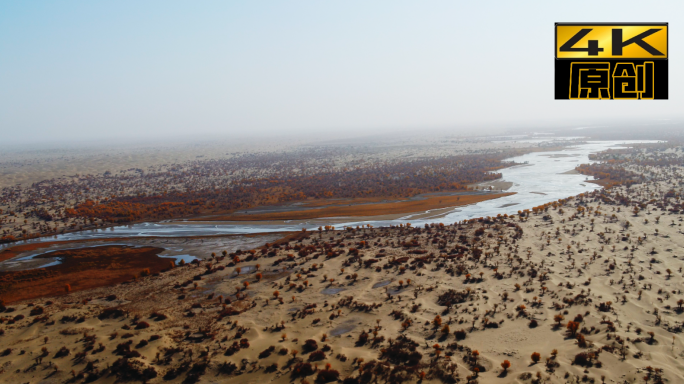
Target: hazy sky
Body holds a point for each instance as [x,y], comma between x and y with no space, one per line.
[94,69]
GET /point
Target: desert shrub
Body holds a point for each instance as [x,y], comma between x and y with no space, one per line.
[581,341]
[536,357]
[227,368]
[123,348]
[266,352]
[402,351]
[581,359]
[244,343]
[111,313]
[228,311]
[310,345]
[37,311]
[551,364]
[327,375]
[142,325]
[400,374]
[460,334]
[64,351]
[363,338]
[197,370]
[317,356]
[132,370]
[452,297]
[69,332]
[302,370]
[175,372]
[586,359]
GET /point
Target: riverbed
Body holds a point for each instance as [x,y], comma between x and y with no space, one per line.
[541,177]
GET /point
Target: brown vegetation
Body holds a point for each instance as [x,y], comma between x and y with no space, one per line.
[80,269]
[365,208]
[223,186]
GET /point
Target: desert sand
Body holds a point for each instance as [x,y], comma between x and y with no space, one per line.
[587,289]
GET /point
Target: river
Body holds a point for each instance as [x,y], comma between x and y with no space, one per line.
[542,178]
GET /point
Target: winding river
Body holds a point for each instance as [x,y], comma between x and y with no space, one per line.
[543,177]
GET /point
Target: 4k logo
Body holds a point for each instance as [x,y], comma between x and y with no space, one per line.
[611,41]
[618,61]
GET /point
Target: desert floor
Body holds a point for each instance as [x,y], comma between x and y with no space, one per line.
[370,298]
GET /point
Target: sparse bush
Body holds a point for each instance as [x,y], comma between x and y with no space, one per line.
[302,370]
[536,357]
[460,334]
[403,351]
[64,351]
[266,352]
[327,375]
[310,345]
[109,313]
[317,356]
[142,325]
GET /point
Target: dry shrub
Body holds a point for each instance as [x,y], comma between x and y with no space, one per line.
[402,351]
[460,334]
[109,313]
[302,370]
[227,368]
[142,325]
[266,352]
[198,369]
[64,351]
[37,311]
[310,345]
[327,375]
[317,356]
[132,370]
[452,297]
[536,357]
